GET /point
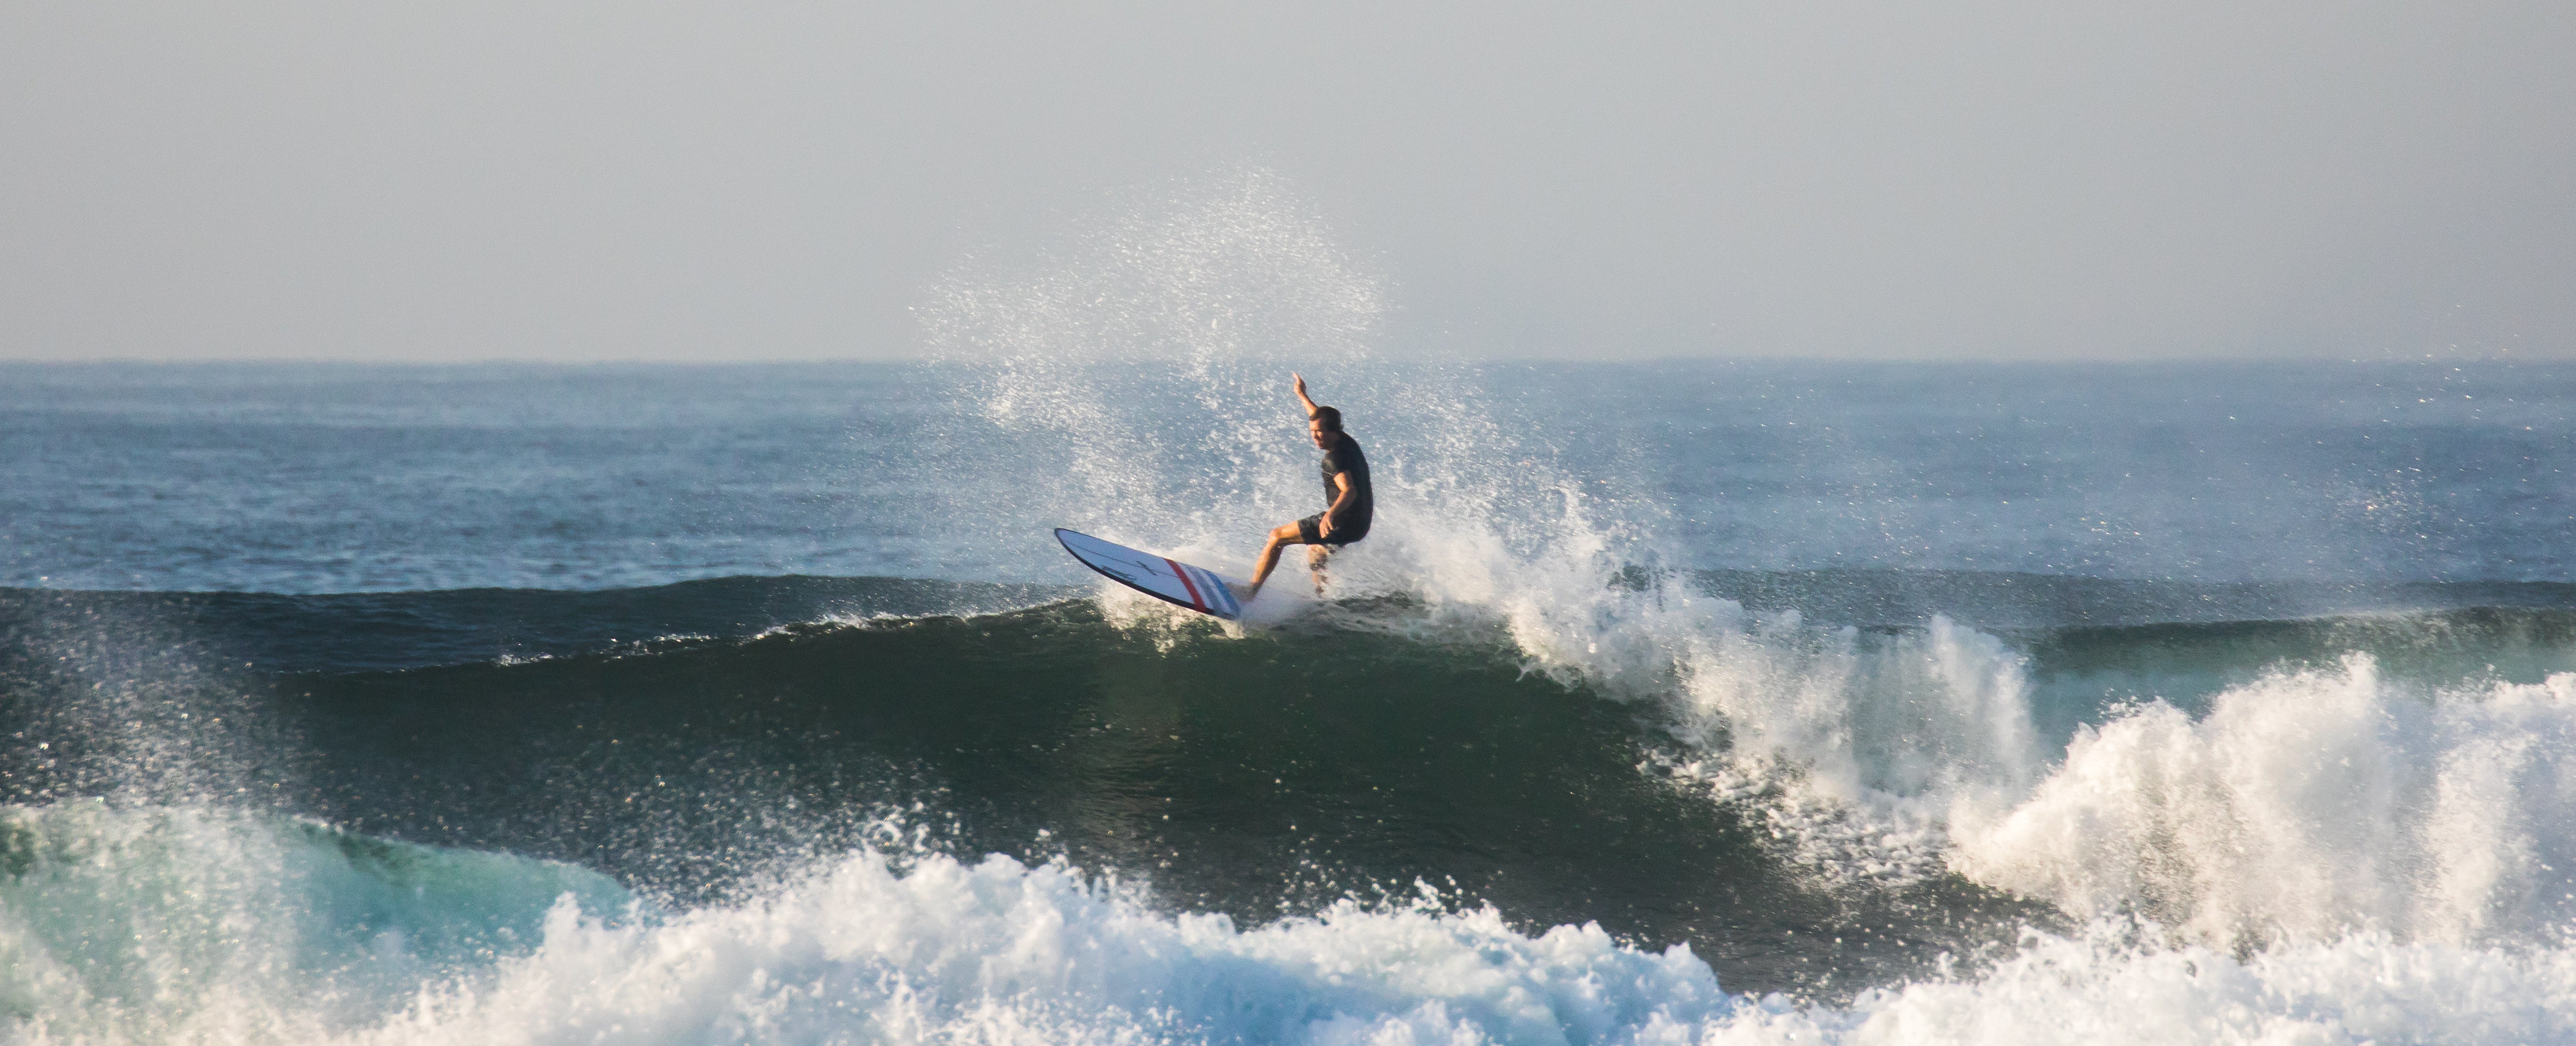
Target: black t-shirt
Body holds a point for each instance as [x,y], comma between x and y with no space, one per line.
[1346,457]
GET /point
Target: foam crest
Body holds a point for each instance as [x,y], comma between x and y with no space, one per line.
[2304,806]
[999,952]
[1851,748]
[1934,713]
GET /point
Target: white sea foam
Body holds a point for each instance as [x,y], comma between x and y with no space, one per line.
[2105,987]
[995,952]
[160,925]
[998,952]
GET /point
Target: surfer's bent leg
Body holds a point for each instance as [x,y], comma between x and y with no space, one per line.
[1284,534]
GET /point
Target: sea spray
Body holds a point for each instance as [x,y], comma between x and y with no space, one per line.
[1144,369]
[123,698]
[1149,358]
[1221,286]
[1144,362]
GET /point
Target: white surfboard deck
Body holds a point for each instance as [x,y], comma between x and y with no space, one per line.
[1161,577]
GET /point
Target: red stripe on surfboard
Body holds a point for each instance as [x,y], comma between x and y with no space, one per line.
[1195,599]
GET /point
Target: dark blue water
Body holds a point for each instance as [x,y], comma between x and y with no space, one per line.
[343,478]
[290,478]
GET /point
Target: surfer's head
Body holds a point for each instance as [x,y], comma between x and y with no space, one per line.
[1324,425]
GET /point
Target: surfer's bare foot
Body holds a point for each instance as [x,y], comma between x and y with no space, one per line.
[1244,593]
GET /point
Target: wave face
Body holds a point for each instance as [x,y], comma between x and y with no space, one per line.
[1249,776]
[786,832]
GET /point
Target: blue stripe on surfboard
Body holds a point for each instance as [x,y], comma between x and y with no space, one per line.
[1223,605]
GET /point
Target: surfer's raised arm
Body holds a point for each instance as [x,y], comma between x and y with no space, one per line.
[1308,401]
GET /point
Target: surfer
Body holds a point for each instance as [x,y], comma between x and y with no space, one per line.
[1347,505]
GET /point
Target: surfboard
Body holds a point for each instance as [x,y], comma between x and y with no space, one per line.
[1161,577]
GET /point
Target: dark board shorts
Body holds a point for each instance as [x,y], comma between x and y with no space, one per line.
[1310,528]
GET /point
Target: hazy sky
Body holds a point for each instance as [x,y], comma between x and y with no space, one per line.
[575,181]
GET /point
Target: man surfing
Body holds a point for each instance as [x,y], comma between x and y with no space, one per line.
[1347,505]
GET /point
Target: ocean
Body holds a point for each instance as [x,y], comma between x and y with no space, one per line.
[1667,702]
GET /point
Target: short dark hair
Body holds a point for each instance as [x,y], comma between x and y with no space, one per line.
[1330,416]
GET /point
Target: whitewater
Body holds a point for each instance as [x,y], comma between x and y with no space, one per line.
[1666,703]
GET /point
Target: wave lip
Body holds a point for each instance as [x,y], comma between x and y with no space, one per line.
[382,631]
